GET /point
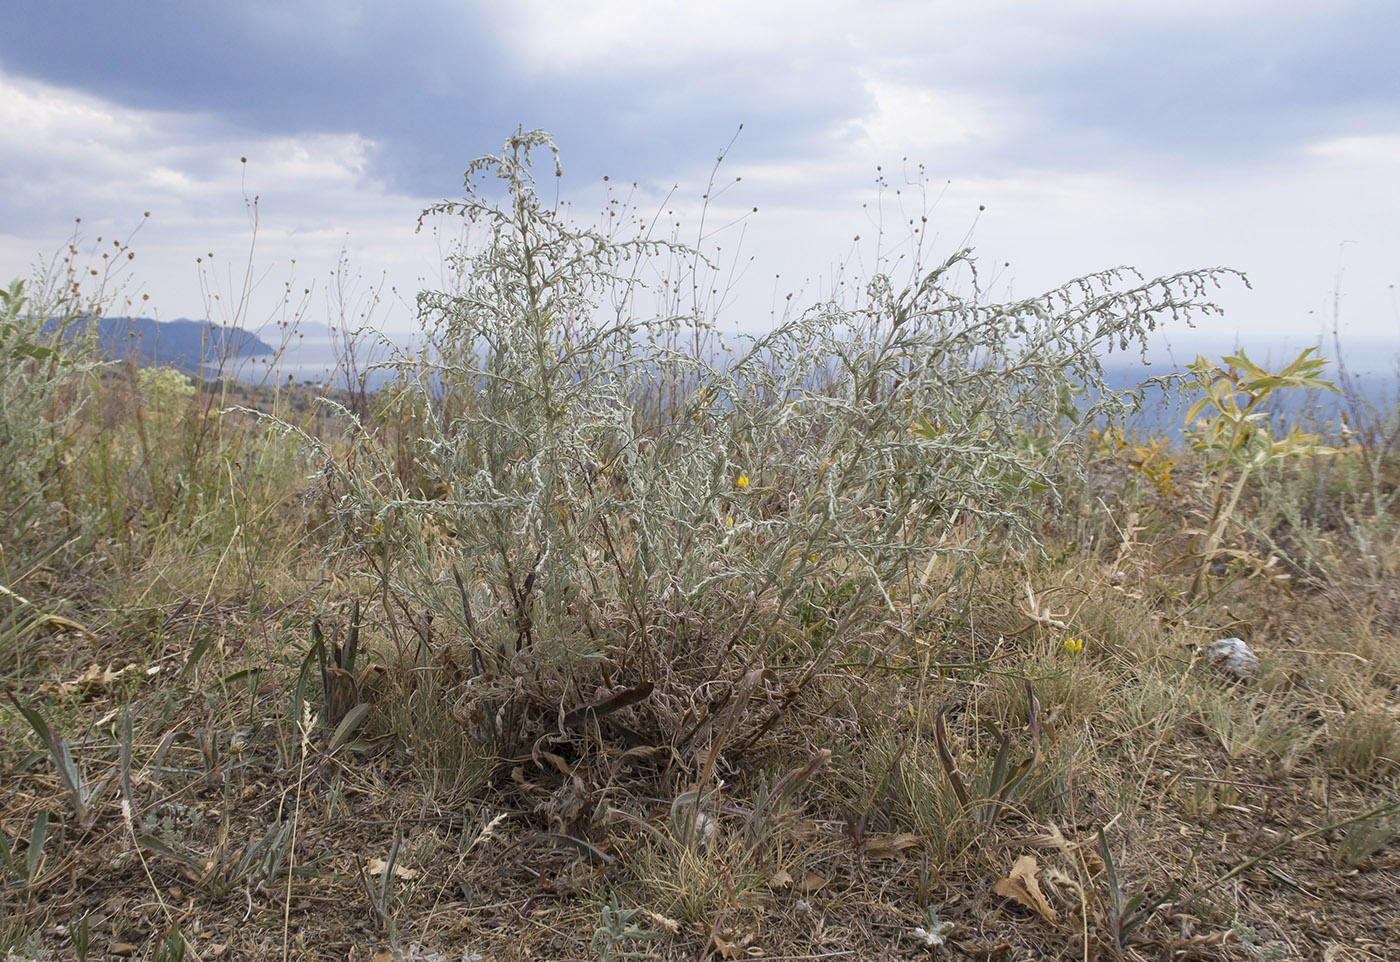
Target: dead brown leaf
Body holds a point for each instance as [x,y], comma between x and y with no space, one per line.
[376,867]
[889,846]
[732,945]
[94,680]
[1021,886]
[564,767]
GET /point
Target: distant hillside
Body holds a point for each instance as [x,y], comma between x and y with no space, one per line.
[183,343]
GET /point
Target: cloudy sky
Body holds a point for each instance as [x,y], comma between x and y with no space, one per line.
[1257,134]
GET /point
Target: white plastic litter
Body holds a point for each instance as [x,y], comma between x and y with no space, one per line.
[1232,657]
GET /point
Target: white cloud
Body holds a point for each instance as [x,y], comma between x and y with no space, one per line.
[1369,149]
[924,121]
[44,117]
[67,155]
[1296,225]
[634,37]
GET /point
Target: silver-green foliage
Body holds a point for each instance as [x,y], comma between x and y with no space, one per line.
[782,514]
[40,368]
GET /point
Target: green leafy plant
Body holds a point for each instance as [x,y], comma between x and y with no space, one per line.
[1235,439]
[339,682]
[1365,838]
[380,901]
[591,558]
[619,926]
[81,937]
[85,796]
[992,794]
[1126,913]
[263,859]
[26,873]
[43,359]
[166,392]
[171,948]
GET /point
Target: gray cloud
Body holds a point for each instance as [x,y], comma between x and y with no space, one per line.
[1096,132]
[430,83]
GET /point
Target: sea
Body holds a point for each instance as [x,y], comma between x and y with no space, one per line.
[1367,377]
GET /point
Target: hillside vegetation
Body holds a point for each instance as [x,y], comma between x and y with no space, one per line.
[879,636]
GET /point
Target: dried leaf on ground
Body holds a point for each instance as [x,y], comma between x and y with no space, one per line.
[733,945]
[1021,886]
[94,680]
[889,846]
[376,866]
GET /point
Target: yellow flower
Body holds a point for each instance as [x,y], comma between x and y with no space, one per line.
[743,481]
[1074,645]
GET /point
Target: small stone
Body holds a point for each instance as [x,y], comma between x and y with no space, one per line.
[1232,658]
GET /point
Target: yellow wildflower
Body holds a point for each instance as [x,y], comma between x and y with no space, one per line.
[743,481]
[1074,645]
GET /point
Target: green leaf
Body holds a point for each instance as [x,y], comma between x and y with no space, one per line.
[1243,362]
[201,647]
[246,673]
[33,351]
[348,726]
[1115,891]
[7,858]
[1196,409]
[37,837]
[68,772]
[303,678]
[152,844]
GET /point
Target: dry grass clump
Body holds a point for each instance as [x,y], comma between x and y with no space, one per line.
[579,645]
